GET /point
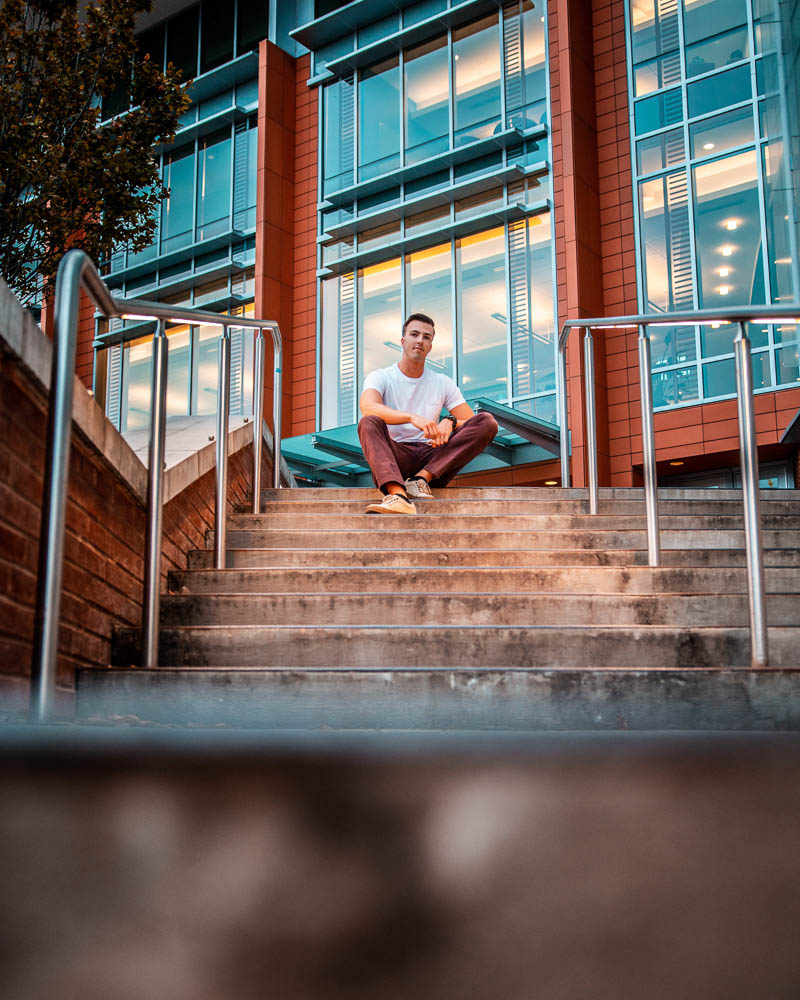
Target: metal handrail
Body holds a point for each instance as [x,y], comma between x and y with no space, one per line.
[747,434]
[75,271]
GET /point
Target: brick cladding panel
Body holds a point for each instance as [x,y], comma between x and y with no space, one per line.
[104,541]
[617,248]
[303,383]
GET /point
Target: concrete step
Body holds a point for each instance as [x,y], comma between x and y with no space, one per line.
[444,505]
[410,555]
[495,608]
[656,647]
[390,532]
[432,515]
[529,493]
[411,579]
[448,699]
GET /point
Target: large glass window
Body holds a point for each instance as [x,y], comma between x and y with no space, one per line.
[727,232]
[476,72]
[429,290]
[177,209]
[380,316]
[427,100]
[725,237]
[378,119]
[214,185]
[501,319]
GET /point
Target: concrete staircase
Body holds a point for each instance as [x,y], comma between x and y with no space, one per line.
[494,609]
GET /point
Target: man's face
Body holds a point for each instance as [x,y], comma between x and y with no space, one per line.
[417,341]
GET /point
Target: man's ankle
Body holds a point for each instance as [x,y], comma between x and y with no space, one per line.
[390,488]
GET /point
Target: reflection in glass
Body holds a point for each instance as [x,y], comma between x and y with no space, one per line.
[424,222]
[337,130]
[180,358]
[427,100]
[656,73]
[727,231]
[378,237]
[672,345]
[663,204]
[429,278]
[478,204]
[713,136]
[719,377]
[136,377]
[655,29]
[476,73]
[330,359]
[778,198]
[655,112]
[787,365]
[703,18]
[719,91]
[379,119]
[659,151]
[731,47]
[673,387]
[206,370]
[542,305]
[214,185]
[526,84]
[176,210]
[380,322]
[480,273]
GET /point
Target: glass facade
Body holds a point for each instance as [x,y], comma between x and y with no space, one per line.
[434,176]
[204,247]
[713,187]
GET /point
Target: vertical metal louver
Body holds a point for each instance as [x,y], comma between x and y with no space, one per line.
[512,55]
[679,249]
[347,350]
[348,128]
[240,205]
[238,403]
[113,408]
[520,310]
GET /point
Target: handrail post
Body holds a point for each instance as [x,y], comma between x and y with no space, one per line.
[258,418]
[563,407]
[591,419]
[276,407]
[223,408]
[748,450]
[56,474]
[649,449]
[155,481]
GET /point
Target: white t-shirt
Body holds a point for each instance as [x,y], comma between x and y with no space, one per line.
[425,396]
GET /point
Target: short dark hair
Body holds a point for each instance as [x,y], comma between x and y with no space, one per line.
[420,318]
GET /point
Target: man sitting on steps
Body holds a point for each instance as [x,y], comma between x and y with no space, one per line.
[407,447]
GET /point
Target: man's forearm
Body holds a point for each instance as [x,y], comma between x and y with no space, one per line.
[386,413]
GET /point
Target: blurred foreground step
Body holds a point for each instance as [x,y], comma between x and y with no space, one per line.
[449,698]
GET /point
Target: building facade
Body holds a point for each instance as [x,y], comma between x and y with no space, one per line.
[501,167]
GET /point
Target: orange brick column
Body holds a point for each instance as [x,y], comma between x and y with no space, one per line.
[576,210]
[274,272]
[617,246]
[305,252]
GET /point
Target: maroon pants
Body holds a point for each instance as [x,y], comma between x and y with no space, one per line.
[395,461]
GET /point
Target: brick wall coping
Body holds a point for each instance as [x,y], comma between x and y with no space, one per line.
[23,338]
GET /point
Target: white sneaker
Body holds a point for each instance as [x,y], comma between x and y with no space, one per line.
[392,503]
[418,489]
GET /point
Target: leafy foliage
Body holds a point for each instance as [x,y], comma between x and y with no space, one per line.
[65,179]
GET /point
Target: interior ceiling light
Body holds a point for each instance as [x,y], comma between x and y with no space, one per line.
[726,251]
[732,224]
[724,289]
[550,482]
[677,462]
[724,272]
[708,145]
